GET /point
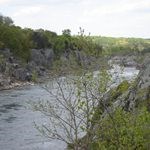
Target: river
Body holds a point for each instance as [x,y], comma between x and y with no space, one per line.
[17,130]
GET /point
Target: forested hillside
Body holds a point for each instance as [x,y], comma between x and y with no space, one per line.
[122,45]
[20,41]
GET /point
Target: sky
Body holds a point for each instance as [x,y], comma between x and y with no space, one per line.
[116,18]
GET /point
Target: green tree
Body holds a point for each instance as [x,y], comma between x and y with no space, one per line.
[71,109]
[66,32]
[14,38]
[6,20]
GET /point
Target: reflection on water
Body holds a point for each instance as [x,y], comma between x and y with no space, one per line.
[3,111]
[5,108]
[11,106]
[16,122]
[10,119]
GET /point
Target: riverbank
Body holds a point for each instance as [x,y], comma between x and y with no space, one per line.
[15,85]
[21,75]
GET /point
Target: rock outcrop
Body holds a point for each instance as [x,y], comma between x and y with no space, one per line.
[134,95]
[13,69]
[126,61]
[42,57]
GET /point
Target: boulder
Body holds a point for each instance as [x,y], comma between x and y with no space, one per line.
[22,74]
[4,81]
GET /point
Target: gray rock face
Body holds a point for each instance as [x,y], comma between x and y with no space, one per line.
[140,91]
[84,59]
[4,81]
[12,67]
[2,67]
[126,61]
[144,76]
[136,94]
[81,58]
[42,57]
[22,74]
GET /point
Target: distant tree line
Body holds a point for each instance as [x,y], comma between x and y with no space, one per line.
[122,45]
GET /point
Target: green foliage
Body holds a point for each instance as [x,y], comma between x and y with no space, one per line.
[2,59]
[120,89]
[1,45]
[34,76]
[12,37]
[123,130]
[64,43]
[68,43]
[43,39]
[86,44]
[20,41]
[142,95]
[66,32]
[59,46]
[122,45]
[6,20]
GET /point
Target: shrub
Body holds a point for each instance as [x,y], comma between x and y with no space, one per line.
[124,131]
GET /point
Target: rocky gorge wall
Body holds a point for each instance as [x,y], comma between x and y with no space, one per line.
[41,62]
[131,95]
[13,69]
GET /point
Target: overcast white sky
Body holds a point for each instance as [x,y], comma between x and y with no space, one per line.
[127,18]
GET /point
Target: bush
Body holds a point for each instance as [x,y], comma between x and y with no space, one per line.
[14,38]
[124,131]
[34,76]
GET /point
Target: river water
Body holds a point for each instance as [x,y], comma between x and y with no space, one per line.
[17,130]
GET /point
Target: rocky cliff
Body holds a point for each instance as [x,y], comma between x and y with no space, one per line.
[41,62]
[13,69]
[131,95]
